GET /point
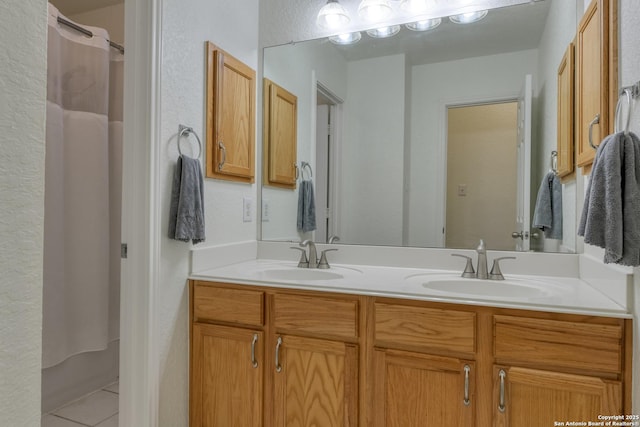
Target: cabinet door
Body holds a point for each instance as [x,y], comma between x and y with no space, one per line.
[226,377]
[592,80]
[280,135]
[230,117]
[316,383]
[566,72]
[536,398]
[413,389]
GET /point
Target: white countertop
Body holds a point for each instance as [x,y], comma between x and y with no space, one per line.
[550,293]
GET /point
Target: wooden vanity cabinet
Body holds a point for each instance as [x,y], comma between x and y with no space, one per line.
[276,357]
[575,375]
[226,357]
[231,94]
[297,366]
[596,77]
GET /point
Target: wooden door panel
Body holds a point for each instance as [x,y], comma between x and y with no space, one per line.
[413,389]
[226,386]
[535,398]
[317,385]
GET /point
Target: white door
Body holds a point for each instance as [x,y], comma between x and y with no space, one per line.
[523,200]
[321,178]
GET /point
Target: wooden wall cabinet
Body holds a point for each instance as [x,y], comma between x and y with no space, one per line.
[566,123]
[278,358]
[280,140]
[231,89]
[596,78]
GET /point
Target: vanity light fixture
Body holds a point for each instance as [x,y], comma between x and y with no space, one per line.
[346,38]
[332,16]
[424,25]
[383,32]
[468,18]
[374,10]
[414,7]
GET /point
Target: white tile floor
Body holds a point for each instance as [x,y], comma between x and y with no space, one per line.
[97,409]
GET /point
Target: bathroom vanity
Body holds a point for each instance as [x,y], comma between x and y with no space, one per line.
[358,345]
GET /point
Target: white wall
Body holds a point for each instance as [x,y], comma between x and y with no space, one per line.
[373,155]
[111,18]
[433,87]
[23,32]
[186,25]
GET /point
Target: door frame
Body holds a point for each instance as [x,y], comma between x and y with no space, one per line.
[141,228]
[444,135]
[333,172]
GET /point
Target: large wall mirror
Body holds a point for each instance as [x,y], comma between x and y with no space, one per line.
[427,139]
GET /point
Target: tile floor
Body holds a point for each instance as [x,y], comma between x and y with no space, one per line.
[97,409]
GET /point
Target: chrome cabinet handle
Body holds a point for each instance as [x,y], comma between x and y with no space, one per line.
[224,155]
[466,399]
[254,362]
[501,405]
[595,121]
[278,365]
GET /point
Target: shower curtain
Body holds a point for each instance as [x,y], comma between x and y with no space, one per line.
[83,177]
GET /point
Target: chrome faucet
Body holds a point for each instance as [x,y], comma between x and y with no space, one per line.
[481,250]
[482,272]
[313,255]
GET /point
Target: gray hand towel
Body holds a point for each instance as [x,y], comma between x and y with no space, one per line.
[186,213]
[611,214]
[306,207]
[547,215]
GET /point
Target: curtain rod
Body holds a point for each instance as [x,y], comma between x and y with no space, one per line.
[87,32]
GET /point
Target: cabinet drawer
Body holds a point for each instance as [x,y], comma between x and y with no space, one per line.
[316,315]
[426,328]
[558,344]
[228,305]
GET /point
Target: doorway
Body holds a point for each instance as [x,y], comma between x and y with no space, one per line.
[328,108]
[480,205]
[83,205]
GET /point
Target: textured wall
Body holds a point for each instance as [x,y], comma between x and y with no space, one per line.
[186,25]
[22,118]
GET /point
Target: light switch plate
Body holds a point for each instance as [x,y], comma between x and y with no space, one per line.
[462,190]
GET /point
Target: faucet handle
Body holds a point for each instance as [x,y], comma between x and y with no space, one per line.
[495,273]
[468,269]
[304,262]
[323,264]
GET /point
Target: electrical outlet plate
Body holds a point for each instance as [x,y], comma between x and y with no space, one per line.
[265,210]
[247,209]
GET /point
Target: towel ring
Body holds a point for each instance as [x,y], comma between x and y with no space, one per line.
[308,166]
[554,162]
[182,130]
[624,91]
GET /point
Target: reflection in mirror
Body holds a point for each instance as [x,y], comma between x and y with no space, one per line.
[374,123]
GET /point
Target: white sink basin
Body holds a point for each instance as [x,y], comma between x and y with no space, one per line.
[300,274]
[510,288]
[492,288]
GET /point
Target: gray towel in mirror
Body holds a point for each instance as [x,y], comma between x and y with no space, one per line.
[611,213]
[306,207]
[547,215]
[186,213]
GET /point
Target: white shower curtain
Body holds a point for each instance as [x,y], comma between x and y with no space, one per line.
[83,174]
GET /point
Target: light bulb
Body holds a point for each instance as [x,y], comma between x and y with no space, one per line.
[374,10]
[382,32]
[346,38]
[468,18]
[332,16]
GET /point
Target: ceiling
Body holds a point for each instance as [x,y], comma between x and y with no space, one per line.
[72,7]
[506,29]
